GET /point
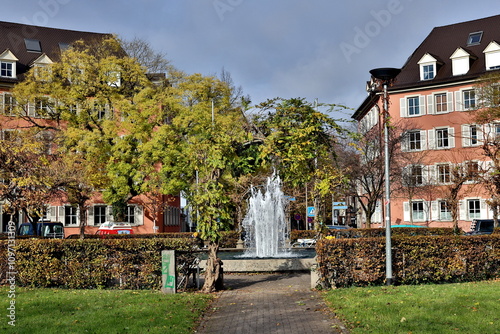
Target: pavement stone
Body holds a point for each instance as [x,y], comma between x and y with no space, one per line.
[269,303]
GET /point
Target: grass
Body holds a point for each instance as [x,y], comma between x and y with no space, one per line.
[102,311]
[448,308]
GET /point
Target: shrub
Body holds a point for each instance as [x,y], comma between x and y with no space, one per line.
[124,263]
[417,259]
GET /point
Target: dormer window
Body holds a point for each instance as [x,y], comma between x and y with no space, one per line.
[42,67]
[461,61]
[428,67]
[474,38]
[428,71]
[8,65]
[492,56]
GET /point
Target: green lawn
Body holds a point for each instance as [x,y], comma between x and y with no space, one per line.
[101,311]
[447,308]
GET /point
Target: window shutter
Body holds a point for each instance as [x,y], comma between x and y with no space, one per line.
[423,140]
[31,109]
[458,101]
[406,211]
[109,213]
[422,105]
[434,211]
[90,216]
[430,104]
[2,102]
[138,216]
[430,139]
[465,135]
[53,213]
[431,174]
[480,135]
[402,107]
[451,135]
[462,209]
[449,101]
[405,139]
[484,209]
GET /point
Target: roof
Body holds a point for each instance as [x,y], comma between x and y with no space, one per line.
[13,36]
[441,43]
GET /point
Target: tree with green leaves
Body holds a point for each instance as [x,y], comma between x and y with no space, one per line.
[299,142]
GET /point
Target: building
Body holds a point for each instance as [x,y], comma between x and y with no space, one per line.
[432,101]
[23,47]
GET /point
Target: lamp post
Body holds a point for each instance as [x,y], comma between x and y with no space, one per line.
[385,76]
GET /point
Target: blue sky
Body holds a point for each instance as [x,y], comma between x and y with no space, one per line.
[314,49]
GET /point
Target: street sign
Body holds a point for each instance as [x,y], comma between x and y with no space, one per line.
[311,211]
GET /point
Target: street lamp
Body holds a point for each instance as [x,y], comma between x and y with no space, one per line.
[385,76]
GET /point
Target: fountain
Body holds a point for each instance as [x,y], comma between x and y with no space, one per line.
[265,226]
[267,246]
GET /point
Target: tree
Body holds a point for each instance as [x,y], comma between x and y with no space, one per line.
[196,147]
[487,115]
[142,52]
[103,107]
[299,142]
[25,183]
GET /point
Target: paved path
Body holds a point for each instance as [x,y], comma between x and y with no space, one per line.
[269,303]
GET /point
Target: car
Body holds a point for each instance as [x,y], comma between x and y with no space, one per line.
[481,227]
[337,227]
[44,228]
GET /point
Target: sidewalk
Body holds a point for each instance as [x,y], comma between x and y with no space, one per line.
[269,303]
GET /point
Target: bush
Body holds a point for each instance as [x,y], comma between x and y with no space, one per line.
[124,263]
[417,259]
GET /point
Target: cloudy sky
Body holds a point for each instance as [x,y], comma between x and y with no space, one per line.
[314,49]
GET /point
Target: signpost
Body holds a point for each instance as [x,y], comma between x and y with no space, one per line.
[168,279]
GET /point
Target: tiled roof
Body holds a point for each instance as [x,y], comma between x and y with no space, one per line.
[442,43]
[13,35]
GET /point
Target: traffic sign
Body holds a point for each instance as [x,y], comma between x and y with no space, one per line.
[311,211]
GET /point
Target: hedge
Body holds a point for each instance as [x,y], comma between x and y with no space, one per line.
[416,260]
[84,264]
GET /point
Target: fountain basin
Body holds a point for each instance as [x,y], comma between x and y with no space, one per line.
[304,260]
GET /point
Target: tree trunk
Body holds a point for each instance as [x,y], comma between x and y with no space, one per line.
[213,271]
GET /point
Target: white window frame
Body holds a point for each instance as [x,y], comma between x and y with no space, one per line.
[4,70]
[418,215]
[404,104]
[433,138]
[472,135]
[443,173]
[460,98]
[473,208]
[410,138]
[71,217]
[7,103]
[444,212]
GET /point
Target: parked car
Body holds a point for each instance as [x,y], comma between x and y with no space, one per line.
[114,228]
[338,227]
[46,229]
[481,226]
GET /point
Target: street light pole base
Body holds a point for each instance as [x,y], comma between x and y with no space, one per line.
[389,281]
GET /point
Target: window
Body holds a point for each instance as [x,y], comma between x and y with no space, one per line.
[414,141]
[474,208]
[473,134]
[43,106]
[130,217]
[416,176]
[7,104]
[99,214]
[6,69]
[472,169]
[171,216]
[469,99]
[442,140]
[474,38]
[32,45]
[444,211]
[70,215]
[417,210]
[428,72]
[443,173]
[413,106]
[441,103]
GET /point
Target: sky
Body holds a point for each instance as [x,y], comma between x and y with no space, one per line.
[311,49]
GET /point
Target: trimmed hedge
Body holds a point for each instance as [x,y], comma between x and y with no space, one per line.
[131,263]
[416,260]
